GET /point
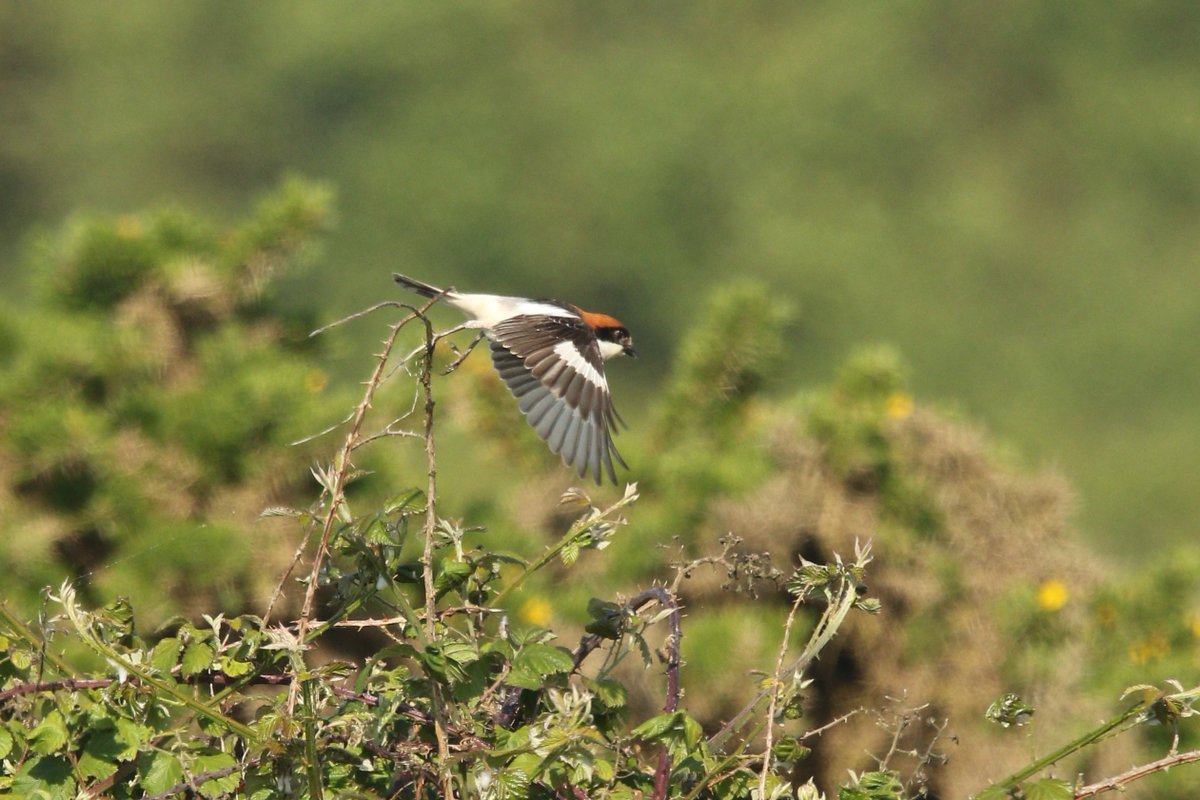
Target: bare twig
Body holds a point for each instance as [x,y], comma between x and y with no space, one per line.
[827,626]
[461,357]
[360,314]
[832,723]
[342,468]
[1118,782]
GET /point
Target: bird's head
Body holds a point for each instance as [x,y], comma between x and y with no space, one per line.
[611,333]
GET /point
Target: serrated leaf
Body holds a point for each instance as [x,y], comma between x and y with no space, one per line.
[655,727]
[215,762]
[692,731]
[280,511]
[160,771]
[609,692]
[50,734]
[20,659]
[452,574]
[234,668]
[1047,789]
[871,605]
[46,778]
[511,783]
[993,793]
[875,785]
[438,662]
[99,757]
[605,770]
[197,657]
[524,679]
[6,742]
[570,551]
[165,655]
[790,749]
[412,499]
[543,659]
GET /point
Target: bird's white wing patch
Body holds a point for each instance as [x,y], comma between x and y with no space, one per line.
[569,353]
[492,309]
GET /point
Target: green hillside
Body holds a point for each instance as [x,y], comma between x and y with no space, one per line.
[1007,193]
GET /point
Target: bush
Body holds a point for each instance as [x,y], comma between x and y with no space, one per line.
[426,657]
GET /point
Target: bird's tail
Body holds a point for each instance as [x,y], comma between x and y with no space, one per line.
[421,288]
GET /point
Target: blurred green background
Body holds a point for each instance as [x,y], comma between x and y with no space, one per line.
[1006,192]
[1006,195]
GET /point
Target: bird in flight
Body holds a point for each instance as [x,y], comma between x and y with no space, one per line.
[551,356]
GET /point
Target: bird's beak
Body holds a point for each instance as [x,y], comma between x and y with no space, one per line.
[629,351]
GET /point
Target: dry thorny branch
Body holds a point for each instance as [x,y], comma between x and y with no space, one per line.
[335,479]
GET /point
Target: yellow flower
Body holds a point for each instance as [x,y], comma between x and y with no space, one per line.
[1052,595]
[1193,622]
[536,611]
[315,380]
[1149,649]
[898,405]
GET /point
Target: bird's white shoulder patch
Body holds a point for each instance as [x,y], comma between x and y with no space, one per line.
[491,309]
[574,359]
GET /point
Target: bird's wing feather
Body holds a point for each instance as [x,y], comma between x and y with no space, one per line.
[552,365]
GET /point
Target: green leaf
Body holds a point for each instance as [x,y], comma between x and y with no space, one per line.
[543,659]
[412,500]
[6,742]
[215,762]
[610,692]
[132,737]
[1048,789]
[692,730]
[50,734]
[452,575]
[882,785]
[21,659]
[46,778]
[99,757]
[438,659]
[607,619]
[656,727]
[790,749]
[993,793]
[1009,710]
[165,655]
[197,657]
[159,772]
[511,783]
[234,668]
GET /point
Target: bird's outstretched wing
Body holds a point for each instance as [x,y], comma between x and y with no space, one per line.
[552,365]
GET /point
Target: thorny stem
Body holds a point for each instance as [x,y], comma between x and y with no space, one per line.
[589,643]
[1118,782]
[336,499]
[828,625]
[775,686]
[662,773]
[439,727]
[1091,737]
[343,462]
[593,517]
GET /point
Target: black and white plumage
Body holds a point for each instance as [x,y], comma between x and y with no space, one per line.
[551,356]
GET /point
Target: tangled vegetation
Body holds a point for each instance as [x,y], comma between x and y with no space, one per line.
[833,594]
